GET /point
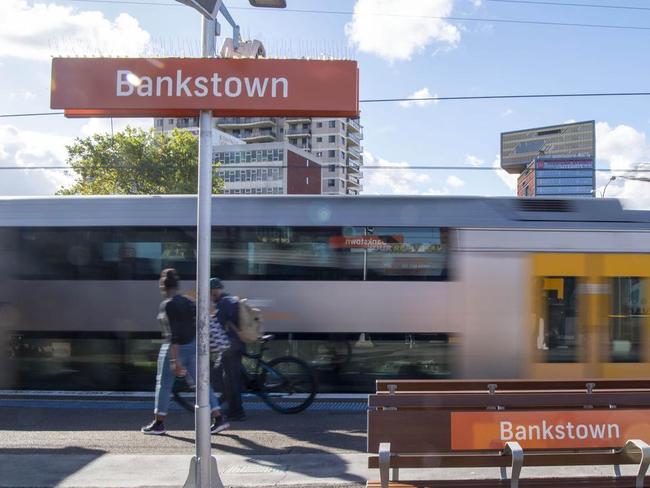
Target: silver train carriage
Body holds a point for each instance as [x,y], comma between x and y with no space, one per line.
[362,288]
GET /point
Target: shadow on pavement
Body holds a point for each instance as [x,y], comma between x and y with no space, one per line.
[324,464]
[43,467]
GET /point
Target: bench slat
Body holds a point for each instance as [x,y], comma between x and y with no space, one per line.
[591,482]
[510,385]
[496,461]
[520,400]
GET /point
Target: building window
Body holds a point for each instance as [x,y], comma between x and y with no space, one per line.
[306,180]
[319,125]
[331,183]
[332,167]
[319,154]
[331,139]
[332,124]
[305,126]
[319,139]
[171,121]
[331,153]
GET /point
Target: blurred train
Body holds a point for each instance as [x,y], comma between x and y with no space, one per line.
[362,288]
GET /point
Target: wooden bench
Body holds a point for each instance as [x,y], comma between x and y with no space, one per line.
[509,424]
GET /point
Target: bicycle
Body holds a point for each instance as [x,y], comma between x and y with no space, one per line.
[286,384]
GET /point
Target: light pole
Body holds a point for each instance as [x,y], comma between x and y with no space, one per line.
[203,468]
[612,178]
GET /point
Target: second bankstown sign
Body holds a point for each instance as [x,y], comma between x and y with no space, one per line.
[149,87]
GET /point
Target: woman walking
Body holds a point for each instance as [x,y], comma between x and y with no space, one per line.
[177,356]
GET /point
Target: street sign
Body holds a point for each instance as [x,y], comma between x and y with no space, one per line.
[181,87]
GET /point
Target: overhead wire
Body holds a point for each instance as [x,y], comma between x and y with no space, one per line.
[388,14]
[572,4]
[394,167]
[431,99]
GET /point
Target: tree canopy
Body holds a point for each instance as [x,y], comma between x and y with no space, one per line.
[136,162]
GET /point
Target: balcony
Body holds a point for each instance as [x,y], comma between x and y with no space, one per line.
[244,122]
[262,135]
[353,139]
[298,132]
[298,120]
[354,152]
[354,167]
[354,180]
[355,125]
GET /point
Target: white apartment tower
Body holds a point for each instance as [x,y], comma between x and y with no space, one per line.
[336,142]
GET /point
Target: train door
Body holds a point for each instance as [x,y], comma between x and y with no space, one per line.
[624,316]
[563,344]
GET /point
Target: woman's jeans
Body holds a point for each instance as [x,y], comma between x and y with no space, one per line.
[165,376]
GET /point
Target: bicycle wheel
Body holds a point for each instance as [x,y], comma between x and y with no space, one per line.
[288,384]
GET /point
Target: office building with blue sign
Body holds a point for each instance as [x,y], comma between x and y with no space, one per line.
[553,161]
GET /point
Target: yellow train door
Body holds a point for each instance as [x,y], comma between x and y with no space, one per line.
[562,343]
[624,316]
[591,316]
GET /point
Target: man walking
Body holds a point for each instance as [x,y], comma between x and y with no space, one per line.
[229,370]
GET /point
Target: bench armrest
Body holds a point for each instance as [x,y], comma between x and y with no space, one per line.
[513,449]
[384,463]
[634,445]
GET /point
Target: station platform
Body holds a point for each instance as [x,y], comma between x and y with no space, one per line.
[59,439]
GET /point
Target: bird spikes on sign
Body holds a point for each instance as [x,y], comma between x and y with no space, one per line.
[185,47]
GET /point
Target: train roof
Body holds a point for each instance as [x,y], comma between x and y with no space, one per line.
[303,210]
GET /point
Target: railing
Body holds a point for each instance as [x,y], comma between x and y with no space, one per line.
[355,124]
[258,134]
[354,137]
[354,151]
[245,121]
[291,132]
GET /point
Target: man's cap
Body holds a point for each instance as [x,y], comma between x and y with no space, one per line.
[216,284]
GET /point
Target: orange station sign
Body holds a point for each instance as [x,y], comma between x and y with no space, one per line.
[181,87]
[569,429]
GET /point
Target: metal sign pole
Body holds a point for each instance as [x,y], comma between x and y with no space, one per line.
[203,471]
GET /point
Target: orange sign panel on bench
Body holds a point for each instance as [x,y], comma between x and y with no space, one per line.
[568,429]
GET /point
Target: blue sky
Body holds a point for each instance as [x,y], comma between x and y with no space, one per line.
[399,54]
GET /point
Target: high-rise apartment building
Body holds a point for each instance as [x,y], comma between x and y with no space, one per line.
[335,142]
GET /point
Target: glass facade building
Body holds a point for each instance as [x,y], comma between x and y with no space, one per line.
[557,160]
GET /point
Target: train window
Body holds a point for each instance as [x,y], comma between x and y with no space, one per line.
[285,253]
[238,253]
[105,253]
[407,253]
[558,328]
[628,312]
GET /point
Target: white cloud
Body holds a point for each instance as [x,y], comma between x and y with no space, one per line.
[508,179]
[41,30]
[103,125]
[422,93]
[474,161]
[406,180]
[507,113]
[623,149]
[454,181]
[29,148]
[396,30]
[393,181]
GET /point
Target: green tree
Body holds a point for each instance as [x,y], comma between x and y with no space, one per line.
[136,162]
